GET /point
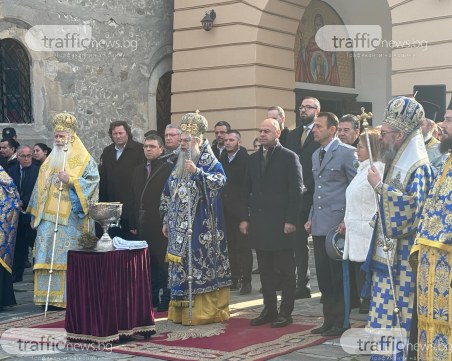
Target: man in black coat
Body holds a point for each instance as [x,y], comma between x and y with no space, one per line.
[309,109]
[148,181]
[117,162]
[276,112]
[274,186]
[234,161]
[220,129]
[24,175]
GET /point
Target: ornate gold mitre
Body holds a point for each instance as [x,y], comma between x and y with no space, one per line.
[194,124]
[64,122]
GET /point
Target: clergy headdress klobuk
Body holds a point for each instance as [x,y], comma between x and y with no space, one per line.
[404,114]
[194,124]
[64,122]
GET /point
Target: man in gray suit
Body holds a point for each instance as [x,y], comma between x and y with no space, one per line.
[332,167]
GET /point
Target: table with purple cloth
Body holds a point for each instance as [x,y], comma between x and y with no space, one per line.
[108,295]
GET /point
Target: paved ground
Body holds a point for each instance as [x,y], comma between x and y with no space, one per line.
[330,350]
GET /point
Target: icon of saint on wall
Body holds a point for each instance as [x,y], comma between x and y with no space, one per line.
[315,65]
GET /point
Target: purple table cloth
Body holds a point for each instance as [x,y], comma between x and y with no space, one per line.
[108,295]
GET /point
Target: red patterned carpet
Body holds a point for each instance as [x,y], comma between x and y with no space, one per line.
[234,340]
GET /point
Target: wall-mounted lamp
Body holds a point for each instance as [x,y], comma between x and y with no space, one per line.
[207,21]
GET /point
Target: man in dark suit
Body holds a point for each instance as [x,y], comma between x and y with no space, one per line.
[332,166]
[24,175]
[234,162]
[274,186]
[148,181]
[117,162]
[221,128]
[301,141]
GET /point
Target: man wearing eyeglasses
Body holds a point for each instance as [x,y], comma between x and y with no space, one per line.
[24,175]
[172,141]
[301,141]
[402,190]
[147,184]
[218,146]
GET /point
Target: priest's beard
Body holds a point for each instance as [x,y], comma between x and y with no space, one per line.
[56,158]
[179,168]
[445,146]
[388,152]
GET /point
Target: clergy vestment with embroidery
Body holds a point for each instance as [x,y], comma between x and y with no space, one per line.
[434,244]
[405,187]
[197,198]
[9,216]
[73,219]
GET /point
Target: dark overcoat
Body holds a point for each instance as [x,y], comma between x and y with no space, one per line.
[25,188]
[149,201]
[115,174]
[274,196]
[233,200]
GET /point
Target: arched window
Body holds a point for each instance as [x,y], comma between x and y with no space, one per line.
[15,93]
[164,102]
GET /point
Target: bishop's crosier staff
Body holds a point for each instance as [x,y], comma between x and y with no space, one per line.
[189,129]
[363,118]
[55,231]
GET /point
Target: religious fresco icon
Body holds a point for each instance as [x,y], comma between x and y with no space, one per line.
[313,64]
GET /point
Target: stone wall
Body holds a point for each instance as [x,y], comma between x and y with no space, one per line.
[107,81]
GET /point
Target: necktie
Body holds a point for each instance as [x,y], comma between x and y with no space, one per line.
[22,176]
[264,158]
[304,135]
[148,168]
[322,154]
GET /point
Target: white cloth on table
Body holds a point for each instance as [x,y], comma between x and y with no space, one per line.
[121,243]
